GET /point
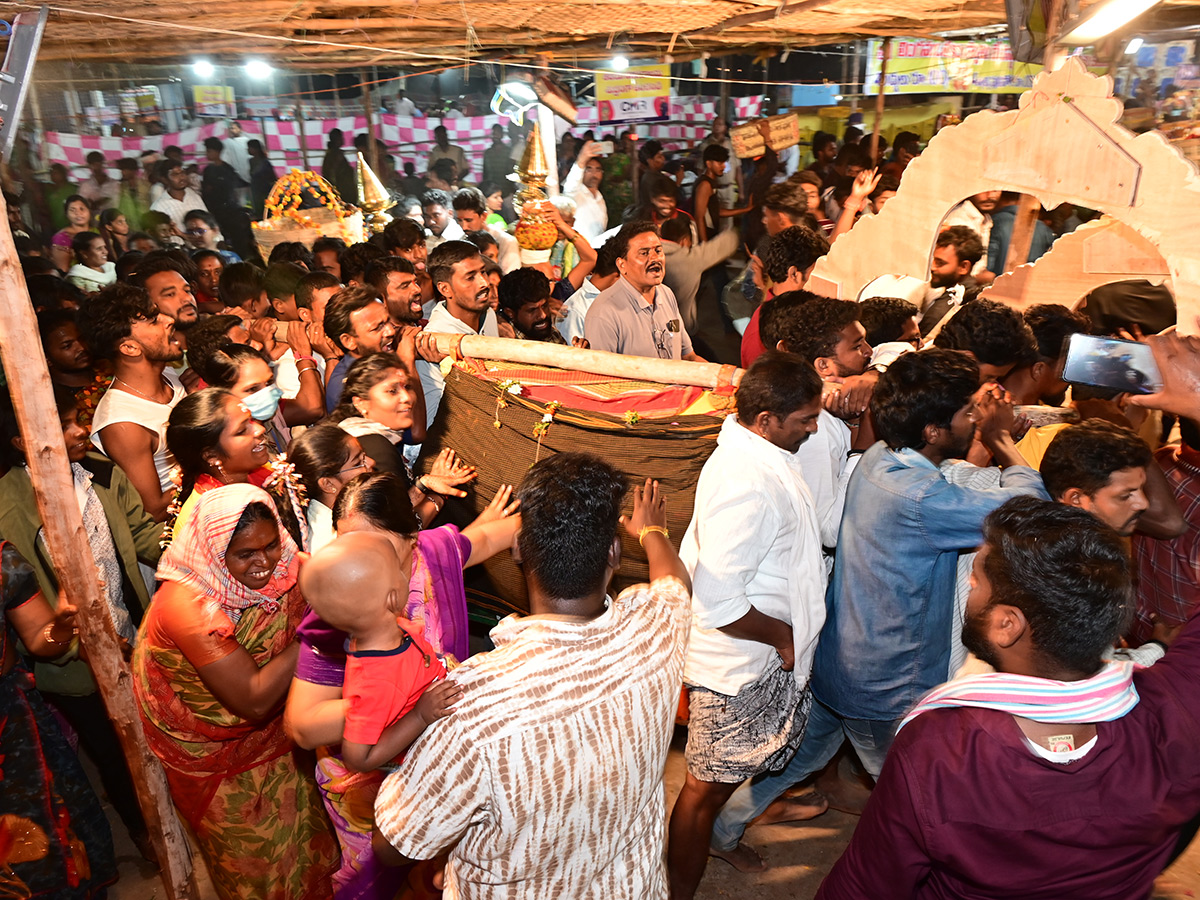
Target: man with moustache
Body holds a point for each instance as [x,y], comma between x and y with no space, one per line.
[457,271]
[406,239]
[753,549]
[524,300]
[1107,470]
[357,322]
[170,292]
[639,315]
[951,284]
[1061,773]
[395,280]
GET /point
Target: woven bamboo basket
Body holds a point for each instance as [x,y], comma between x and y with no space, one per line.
[325,223]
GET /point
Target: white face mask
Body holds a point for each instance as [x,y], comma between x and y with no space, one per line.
[263,403]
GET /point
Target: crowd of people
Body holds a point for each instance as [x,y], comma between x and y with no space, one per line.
[912,536]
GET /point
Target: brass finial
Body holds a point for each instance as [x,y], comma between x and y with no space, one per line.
[373,197]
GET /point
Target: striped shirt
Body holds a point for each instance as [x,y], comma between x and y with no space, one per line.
[547,779]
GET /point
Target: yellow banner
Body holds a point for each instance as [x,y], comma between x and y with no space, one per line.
[639,93]
[953,67]
[213,100]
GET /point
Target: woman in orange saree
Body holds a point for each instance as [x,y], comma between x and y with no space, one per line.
[213,663]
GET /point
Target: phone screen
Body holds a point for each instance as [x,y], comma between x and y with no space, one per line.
[1106,362]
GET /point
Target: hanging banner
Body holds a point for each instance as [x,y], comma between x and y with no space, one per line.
[23,43]
[214,100]
[640,94]
[954,67]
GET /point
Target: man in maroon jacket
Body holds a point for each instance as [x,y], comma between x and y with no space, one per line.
[1058,776]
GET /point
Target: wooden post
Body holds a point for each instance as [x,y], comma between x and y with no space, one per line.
[1025,221]
[71,556]
[369,109]
[300,128]
[883,63]
[725,109]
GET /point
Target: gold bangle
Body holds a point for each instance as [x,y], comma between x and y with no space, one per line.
[658,529]
[50,640]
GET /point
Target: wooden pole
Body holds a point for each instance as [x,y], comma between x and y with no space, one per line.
[300,128]
[369,109]
[638,368]
[883,64]
[1025,221]
[71,556]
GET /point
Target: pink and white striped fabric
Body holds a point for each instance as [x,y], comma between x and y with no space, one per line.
[1106,696]
[409,138]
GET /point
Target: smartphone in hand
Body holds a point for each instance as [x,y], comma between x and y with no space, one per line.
[1118,365]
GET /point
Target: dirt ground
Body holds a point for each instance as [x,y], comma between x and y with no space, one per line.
[799,855]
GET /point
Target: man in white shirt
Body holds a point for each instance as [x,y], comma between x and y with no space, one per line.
[753,550]
[439,219]
[582,185]
[100,189]
[236,152]
[404,106]
[574,311]
[546,780]
[122,324]
[178,199]
[470,212]
[828,334]
[443,149]
[976,213]
[456,268]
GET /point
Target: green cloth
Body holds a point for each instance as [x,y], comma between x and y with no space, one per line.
[56,197]
[135,535]
[616,186]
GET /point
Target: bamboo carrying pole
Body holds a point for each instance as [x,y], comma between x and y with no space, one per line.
[29,383]
[883,65]
[638,368]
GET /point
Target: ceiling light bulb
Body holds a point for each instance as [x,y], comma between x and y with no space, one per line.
[256,68]
[1104,20]
[203,68]
[1134,46]
[620,63]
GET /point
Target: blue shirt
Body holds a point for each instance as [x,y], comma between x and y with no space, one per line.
[333,387]
[1003,220]
[886,639]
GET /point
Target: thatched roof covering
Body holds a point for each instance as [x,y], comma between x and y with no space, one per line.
[414,32]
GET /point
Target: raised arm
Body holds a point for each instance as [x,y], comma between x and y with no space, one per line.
[648,523]
[309,403]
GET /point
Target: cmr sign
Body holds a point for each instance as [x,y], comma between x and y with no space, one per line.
[641,94]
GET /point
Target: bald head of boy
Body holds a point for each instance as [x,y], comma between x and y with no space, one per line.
[354,583]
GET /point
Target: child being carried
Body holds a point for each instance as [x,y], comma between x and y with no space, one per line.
[395,686]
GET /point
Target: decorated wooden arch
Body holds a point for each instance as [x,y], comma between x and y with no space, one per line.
[1096,253]
[1063,145]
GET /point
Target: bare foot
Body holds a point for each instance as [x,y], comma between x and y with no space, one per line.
[741,857]
[793,809]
